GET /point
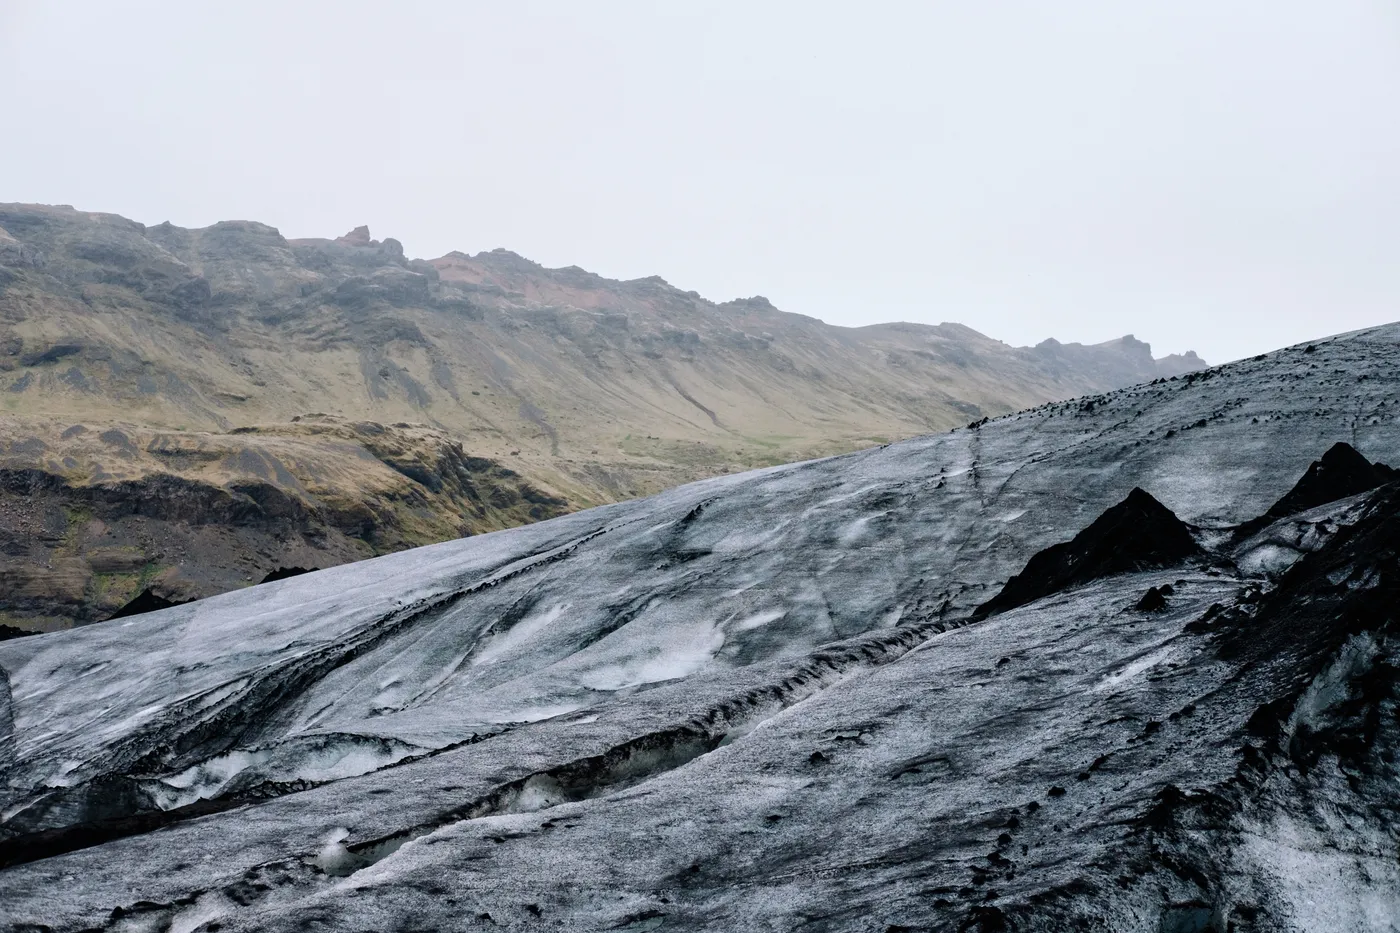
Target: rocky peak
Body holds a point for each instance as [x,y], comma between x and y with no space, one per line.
[1343,471]
[1131,346]
[1136,534]
[507,259]
[357,237]
[754,303]
[1122,360]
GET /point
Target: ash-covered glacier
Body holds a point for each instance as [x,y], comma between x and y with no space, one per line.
[1125,663]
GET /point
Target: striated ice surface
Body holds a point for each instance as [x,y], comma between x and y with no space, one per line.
[751,703]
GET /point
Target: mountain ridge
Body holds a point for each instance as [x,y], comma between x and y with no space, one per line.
[130,352]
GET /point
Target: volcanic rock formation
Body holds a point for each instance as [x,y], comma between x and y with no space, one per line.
[1138,533]
[1341,472]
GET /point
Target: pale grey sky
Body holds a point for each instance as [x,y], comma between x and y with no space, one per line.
[1206,174]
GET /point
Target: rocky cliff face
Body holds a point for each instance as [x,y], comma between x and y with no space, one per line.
[769,701]
[130,353]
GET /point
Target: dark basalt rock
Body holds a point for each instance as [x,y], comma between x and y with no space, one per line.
[1343,471]
[87,833]
[147,601]
[1321,635]
[1348,587]
[282,573]
[1138,533]
[1154,600]
[1188,917]
[10,631]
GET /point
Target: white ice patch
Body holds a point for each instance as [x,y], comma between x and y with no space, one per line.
[1272,559]
[535,713]
[293,761]
[1333,685]
[213,774]
[681,659]
[539,793]
[1325,885]
[758,620]
[62,777]
[518,634]
[1133,669]
[856,530]
[209,906]
[334,858]
[1213,538]
[1008,517]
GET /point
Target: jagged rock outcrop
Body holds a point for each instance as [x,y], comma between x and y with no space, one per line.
[1341,472]
[146,601]
[1137,534]
[284,573]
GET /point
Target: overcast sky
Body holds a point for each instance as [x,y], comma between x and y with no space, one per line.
[1219,176]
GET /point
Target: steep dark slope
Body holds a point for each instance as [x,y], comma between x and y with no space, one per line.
[187,516]
[762,701]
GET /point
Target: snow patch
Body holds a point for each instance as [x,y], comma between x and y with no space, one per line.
[518,634]
[1268,559]
[334,858]
[311,759]
[759,619]
[682,661]
[1133,668]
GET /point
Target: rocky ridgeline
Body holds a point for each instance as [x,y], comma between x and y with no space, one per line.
[121,345]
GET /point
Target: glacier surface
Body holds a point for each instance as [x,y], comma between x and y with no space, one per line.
[763,702]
